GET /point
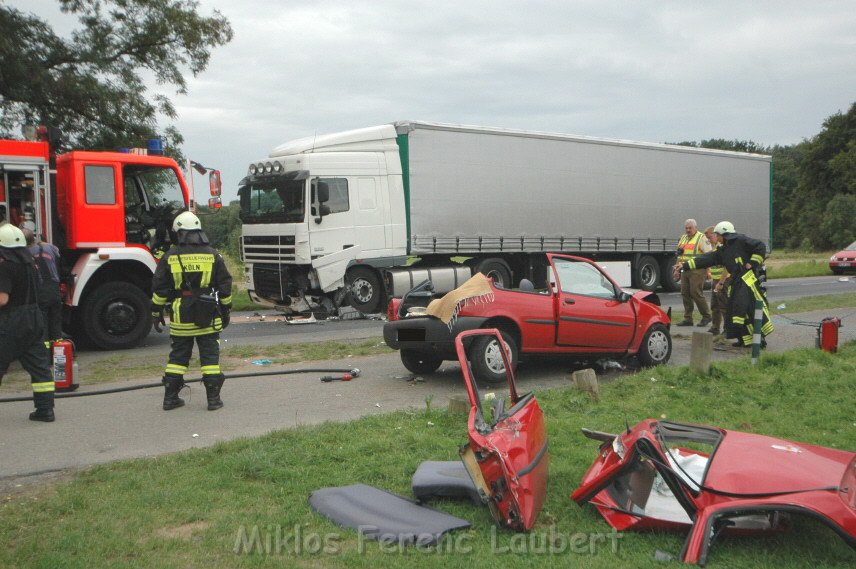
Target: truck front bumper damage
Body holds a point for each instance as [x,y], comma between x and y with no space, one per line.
[740,483]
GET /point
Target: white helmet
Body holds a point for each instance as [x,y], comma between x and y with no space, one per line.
[724,227]
[186,221]
[11,236]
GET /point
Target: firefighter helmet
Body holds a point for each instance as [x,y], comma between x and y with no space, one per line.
[724,227]
[11,236]
[186,221]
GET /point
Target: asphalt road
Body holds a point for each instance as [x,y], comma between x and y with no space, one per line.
[273,329]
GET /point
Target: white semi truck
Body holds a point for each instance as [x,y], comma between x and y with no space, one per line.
[355,216]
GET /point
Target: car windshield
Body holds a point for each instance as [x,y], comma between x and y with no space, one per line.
[279,199]
[851,247]
[579,277]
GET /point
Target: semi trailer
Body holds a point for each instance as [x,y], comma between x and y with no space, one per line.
[356,216]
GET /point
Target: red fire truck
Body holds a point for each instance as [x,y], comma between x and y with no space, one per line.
[110,214]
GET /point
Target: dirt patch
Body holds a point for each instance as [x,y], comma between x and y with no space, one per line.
[31,485]
[184,531]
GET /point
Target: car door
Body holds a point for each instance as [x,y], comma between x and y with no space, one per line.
[589,310]
[506,455]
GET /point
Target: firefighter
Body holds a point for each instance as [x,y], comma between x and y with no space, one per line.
[194,285]
[22,325]
[691,244]
[743,259]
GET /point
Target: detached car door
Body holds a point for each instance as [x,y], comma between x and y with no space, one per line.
[589,311]
[506,455]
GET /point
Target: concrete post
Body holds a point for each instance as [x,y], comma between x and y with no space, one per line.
[701,351]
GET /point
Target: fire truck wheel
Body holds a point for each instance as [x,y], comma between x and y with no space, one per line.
[116,316]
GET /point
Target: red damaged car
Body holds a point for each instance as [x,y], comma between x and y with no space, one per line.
[580,311]
[665,475]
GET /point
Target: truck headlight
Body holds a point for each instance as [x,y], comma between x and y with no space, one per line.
[268,167]
[277,167]
[252,170]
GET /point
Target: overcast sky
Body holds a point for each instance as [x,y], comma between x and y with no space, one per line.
[768,71]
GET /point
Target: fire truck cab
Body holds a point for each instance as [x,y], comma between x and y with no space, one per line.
[109,213]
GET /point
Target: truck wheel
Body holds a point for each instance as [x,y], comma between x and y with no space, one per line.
[647,273]
[496,269]
[364,289]
[656,347]
[116,316]
[666,281]
[487,359]
[420,362]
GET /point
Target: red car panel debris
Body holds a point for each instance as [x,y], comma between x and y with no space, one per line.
[665,475]
[506,455]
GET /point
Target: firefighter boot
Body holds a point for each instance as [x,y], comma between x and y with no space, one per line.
[213,383]
[173,384]
[44,407]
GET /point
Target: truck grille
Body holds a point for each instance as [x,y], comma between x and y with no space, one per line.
[270,248]
[278,282]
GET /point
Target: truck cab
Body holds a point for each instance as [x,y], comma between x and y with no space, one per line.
[319,216]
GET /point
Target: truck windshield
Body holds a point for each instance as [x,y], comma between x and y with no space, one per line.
[274,200]
[159,185]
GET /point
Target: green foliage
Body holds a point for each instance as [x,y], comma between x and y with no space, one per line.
[223,228]
[824,194]
[90,85]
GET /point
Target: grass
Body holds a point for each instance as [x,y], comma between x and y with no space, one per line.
[136,367]
[805,304]
[784,264]
[188,509]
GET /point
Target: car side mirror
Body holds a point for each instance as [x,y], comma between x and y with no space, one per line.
[624,296]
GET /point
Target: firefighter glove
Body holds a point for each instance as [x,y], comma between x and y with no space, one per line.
[226,315]
[158,319]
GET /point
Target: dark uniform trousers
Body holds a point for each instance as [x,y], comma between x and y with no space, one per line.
[182,349]
[22,331]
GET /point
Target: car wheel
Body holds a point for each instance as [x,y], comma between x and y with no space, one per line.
[647,274]
[486,357]
[364,289]
[656,347]
[497,270]
[837,271]
[420,362]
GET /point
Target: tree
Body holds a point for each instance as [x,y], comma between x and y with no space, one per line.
[91,85]
[827,178]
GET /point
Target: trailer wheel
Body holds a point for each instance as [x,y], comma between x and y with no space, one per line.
[420,362]
[647,273]
[496,269]
[116,316]
[486,358]
[666,281]
[364,289]
[656,347]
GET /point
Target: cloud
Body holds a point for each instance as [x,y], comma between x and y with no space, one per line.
[769,71]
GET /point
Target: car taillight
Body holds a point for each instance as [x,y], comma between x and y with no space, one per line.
[392,309]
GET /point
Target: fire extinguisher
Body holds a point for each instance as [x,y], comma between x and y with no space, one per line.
[64,365]
[829,334]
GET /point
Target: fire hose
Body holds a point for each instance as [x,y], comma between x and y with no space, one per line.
[352,372]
